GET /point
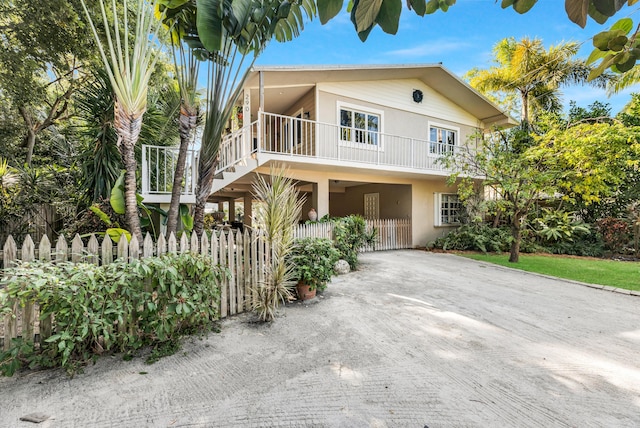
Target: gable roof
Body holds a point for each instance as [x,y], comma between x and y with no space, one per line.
[433,75]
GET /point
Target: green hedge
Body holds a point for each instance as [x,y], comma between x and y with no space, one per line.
[118,307]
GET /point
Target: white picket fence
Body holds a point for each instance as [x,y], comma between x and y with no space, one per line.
[392,234]
[244,255]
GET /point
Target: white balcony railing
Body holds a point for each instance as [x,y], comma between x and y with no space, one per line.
[295,137]
[158,167]
[302,137]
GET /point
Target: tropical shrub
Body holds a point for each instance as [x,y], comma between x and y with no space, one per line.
[350,235]
[313,259]
[559,226]
[474,237]
[119,307]
[582,244]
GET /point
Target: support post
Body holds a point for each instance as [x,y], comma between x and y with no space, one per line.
[320,197]
[248,200]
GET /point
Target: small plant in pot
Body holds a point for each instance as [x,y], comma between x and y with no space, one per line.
[313,259]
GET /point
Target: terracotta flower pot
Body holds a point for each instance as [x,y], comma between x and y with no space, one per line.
[305,292]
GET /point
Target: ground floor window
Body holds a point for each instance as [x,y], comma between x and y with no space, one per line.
[359,126]
[447,209]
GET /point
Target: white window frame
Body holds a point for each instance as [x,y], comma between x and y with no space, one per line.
[438,210]
[445,127]
[340,105]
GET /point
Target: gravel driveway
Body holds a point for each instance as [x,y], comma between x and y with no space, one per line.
[412,339]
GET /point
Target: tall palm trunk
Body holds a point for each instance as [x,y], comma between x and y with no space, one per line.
[128,128]
[205,180]
[188,118]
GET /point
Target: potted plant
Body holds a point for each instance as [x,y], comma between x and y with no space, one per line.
[313,260]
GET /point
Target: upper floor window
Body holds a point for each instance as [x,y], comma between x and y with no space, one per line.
[442,140]
[359,125]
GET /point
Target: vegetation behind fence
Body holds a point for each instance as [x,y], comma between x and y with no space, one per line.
[245,256]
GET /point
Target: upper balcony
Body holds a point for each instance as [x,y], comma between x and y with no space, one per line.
[275,137]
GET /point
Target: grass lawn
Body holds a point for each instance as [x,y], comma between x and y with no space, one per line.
[594,271]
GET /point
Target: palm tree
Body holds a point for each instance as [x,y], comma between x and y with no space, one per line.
[187,52]
[129,67]
[624,80]
[235,35]
[532,75]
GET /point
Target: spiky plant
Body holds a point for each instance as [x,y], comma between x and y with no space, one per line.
[276,217]
[129,67]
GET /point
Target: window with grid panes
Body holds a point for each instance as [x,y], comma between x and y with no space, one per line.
[359,126]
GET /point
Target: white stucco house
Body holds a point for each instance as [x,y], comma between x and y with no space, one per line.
[361,139]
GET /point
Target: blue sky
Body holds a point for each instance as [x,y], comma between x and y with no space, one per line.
[461,39]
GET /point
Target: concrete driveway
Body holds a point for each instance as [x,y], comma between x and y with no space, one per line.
[412,339]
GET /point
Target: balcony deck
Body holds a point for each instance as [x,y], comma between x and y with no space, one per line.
[278,137]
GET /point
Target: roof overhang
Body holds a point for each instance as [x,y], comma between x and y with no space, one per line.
[300,79]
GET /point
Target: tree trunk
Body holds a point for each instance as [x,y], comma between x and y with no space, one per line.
[31,143]
[516,234]
[128,128]
[198,216]
[187,124]
[205,180]
[524,113]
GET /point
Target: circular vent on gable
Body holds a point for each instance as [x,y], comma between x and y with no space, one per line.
[417,95]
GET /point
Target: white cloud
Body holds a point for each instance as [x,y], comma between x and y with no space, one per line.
[434,47]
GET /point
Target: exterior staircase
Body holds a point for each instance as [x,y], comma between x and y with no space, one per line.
[230,175]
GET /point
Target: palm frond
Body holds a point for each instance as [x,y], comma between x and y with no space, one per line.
[129,70]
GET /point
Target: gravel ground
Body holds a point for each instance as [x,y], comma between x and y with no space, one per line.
[412,339]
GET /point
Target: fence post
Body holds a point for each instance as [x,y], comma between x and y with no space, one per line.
[134,248]
[107,250]
[45,255]
[92,249]
[147,246]
[28,312]
[184,244]
[195,247]
[204,245]
[61,249]
[240,262]
[10,251]
[162,246]
[224,284]
[77,248]
[233,305]
[123,248]
[248,260]
[172,245]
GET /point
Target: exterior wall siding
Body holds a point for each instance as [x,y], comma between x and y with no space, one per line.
[306,103]
[397,95]
[395,121]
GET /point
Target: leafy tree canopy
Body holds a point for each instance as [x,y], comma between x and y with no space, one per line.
[366,14]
